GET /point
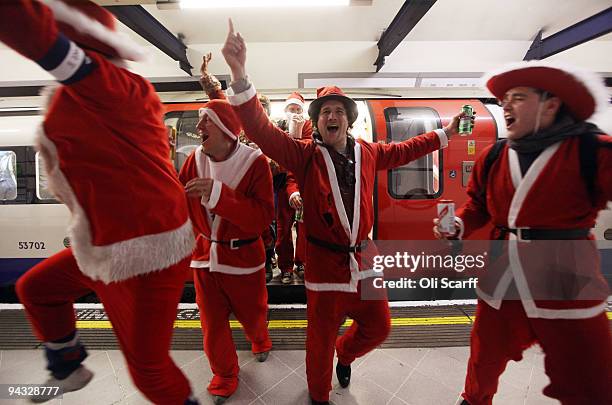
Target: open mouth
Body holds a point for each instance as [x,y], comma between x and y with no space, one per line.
[203,137]
[333,129]
[509,121]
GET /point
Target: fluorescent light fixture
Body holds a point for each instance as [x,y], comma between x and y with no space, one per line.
[260,3]
[361,82]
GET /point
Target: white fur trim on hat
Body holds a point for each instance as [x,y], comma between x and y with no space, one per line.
[294,101]
[592,81]
[125,47]
[215,118]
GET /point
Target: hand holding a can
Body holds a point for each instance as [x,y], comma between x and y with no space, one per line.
[445,226]
[460,123]
[295,201]
[439,234]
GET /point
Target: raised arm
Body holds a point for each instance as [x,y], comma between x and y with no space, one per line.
[272,141]
[210,84]
[30,28]
[401,153]
[393,155]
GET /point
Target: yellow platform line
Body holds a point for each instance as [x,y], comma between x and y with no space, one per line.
[302,323]
[297,323]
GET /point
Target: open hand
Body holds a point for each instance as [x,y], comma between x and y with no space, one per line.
[205,61]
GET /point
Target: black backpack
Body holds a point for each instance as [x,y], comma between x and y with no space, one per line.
[588,162]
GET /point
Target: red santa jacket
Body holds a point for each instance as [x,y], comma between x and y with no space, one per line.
[551,195]
[313,168]
[106,153]
[241,206]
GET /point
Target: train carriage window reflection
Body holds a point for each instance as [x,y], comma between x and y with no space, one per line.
[420,179]
[187,138]
[8,180]
[42,189]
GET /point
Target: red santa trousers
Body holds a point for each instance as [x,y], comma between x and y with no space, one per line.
[218,295]
[142,310]
[326,310]
[577,354]
[285,217]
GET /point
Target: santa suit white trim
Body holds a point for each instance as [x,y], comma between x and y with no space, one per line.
[120,260]
[70,65]
[218,122]
[295,101]
[215,194]
[294,194]
[350,231]
[126,48]
[324,202]
[229,172]
[516,271]
[199,264]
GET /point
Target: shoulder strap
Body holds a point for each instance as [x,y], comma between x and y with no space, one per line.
[492,156]
[588,161]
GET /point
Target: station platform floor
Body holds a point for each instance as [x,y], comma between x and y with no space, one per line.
[423,362]
[416,376]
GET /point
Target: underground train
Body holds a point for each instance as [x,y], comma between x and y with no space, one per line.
[33,224]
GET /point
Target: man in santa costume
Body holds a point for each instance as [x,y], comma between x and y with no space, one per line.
[105,149]
[335,173]
[536,191]
[231,203]
[289,200]
[213,89]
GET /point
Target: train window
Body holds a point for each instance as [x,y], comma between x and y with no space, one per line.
[420,179]
[187,138]
[42,188]
[8,179]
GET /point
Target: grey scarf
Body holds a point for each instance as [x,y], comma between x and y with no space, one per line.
[563,128]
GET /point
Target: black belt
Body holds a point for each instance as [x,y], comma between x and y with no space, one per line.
[337,248]
[545,234]
[234,243]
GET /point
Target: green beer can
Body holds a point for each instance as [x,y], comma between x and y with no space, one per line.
[465,123]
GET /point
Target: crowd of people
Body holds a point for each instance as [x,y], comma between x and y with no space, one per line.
[137,227]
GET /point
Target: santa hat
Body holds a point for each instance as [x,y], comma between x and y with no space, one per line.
[93,27]
[333,93]
[295,98]
[582,92]
[223,116]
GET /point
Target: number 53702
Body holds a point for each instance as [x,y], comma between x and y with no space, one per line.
[31,245]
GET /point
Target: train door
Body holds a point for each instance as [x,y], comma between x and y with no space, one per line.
[181,121]
[406,197]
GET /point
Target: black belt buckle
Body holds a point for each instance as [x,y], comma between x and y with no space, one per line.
[524,234]
[234,243]
[358,248]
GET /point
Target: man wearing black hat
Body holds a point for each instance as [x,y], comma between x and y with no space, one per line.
[335,173]
[543,189]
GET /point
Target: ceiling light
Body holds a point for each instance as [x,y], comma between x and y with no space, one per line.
[260,3]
